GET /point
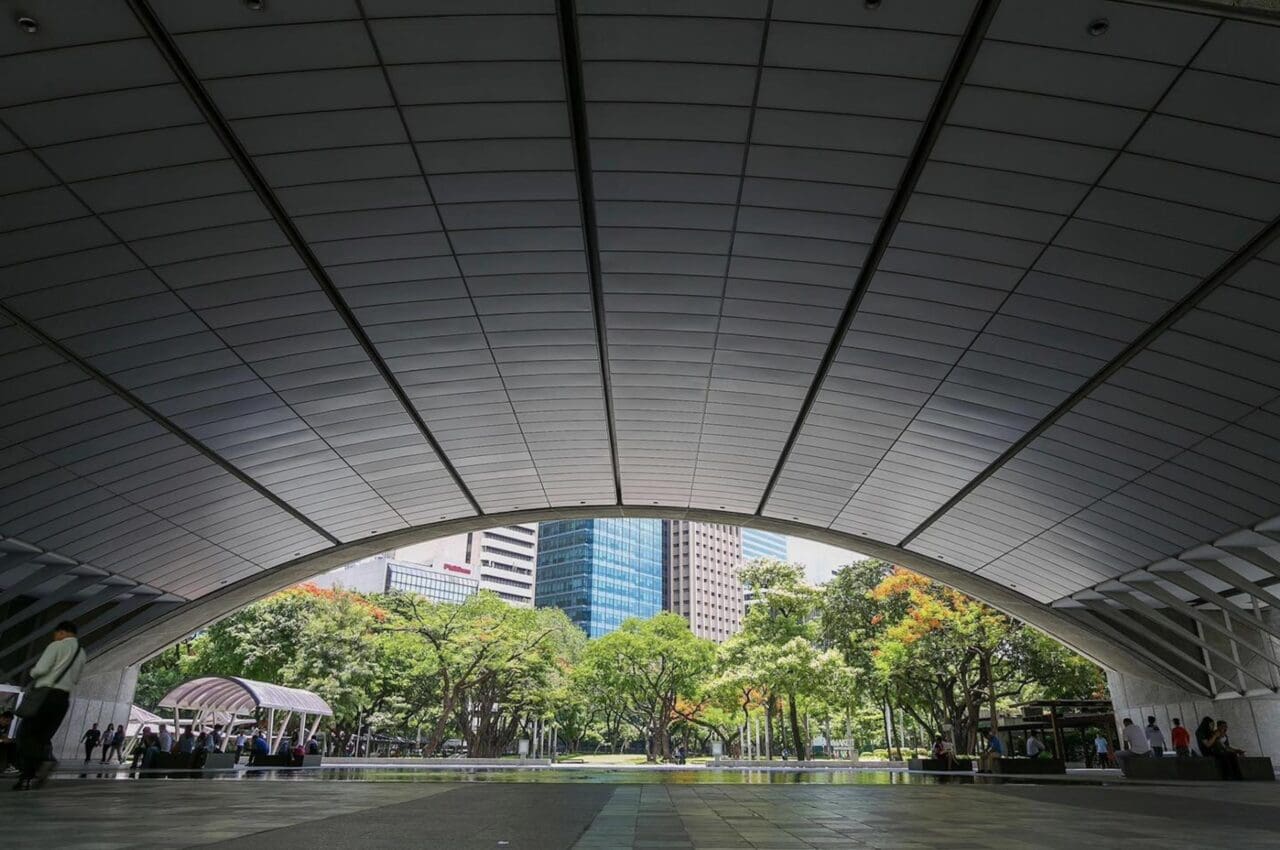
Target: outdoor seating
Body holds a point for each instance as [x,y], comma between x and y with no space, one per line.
[1030,767]
[1252,769]
[234,700]
[942,765]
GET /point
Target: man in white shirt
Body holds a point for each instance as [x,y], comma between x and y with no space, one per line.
[1034,746]
[164,739]
[53,676]
[1135,744]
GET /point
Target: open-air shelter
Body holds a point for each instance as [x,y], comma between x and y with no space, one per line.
[228,699]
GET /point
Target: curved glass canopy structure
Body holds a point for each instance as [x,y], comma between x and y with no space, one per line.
[985,288]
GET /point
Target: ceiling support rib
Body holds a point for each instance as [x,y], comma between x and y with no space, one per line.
[94,602]
[1160,618]
[117,612]
[1189,302]
[1154,589]
[1228,607]
[1222,572]
[961,60]
[1098,620]
[1254,556]
[575,95]
[40,575]
[61,593]
[187,77]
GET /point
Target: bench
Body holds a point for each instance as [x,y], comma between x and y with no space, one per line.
[941,765]
[284,760]
[1197,769]
[187,761]
[1030,767]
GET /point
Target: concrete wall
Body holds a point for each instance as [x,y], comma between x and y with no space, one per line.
[1255,721]
[101,698]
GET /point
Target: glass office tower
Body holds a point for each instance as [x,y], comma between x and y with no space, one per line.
[600,571]
[763,544]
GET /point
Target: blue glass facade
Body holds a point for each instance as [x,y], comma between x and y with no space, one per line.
[763,544]
[600,571]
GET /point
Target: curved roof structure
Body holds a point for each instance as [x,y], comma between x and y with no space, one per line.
[986,287]
[242,696]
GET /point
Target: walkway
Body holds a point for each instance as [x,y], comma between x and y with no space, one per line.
[399,810]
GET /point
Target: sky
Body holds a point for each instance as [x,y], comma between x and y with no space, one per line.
[819,559]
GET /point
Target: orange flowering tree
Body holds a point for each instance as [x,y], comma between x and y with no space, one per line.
[944,656]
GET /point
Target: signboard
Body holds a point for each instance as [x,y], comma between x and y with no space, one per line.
[457,568]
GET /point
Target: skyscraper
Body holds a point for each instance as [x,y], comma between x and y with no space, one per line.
[505,559]
[701,576]
[763,544]
[600,571]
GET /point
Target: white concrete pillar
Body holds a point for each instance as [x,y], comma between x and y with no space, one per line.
[100,698]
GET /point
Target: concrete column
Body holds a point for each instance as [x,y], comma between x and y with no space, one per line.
[102,698]
[1254,720]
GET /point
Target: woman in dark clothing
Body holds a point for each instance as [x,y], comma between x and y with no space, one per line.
[1206,736]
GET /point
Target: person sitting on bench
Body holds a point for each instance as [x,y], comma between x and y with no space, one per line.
[1136,744]
[995,752]
[944,752]
[1228,756]
[1035,747]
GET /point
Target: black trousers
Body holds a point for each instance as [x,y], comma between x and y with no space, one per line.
[35,735]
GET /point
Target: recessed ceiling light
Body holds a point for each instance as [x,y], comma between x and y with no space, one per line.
[1098,26]
[872,4]
[27,24]
[254,5]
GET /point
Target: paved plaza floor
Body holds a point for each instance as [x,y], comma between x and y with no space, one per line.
[605,811]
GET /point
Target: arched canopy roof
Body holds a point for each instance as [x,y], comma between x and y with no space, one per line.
[986,284]
[242,696]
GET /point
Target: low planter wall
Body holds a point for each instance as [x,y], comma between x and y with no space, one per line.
[439,762]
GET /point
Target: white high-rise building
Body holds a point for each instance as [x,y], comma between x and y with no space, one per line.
[505,559]
[701,581]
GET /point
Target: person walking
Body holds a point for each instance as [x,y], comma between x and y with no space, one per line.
[1102,746]
[44,706]
[117,745]
[1154,737]
[90,740]
[107,737]
[241,740]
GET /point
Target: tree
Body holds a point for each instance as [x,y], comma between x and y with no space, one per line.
[303,637]
[483,666]
[779,648]
[944,656]
[646,667]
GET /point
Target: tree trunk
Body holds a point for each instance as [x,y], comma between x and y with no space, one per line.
[768,727]
[984,661]
[796,735]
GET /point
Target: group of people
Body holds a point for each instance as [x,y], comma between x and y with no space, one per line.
[112,742]
[1212,740]
[196,746]
[193,746]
